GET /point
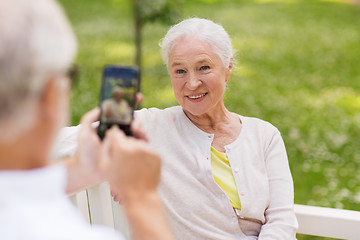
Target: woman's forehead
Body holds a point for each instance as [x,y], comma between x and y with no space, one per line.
[191,48]
[190,42]
[193,60]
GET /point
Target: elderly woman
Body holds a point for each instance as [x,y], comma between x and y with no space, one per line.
[224,176]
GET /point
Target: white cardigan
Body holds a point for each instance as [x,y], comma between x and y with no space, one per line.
[196,206]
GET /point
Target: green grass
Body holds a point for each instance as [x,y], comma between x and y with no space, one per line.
[297,67]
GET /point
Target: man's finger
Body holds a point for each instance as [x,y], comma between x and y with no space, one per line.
[104,154]
[138,130]
[91,116]
[86,121]
[139,98]
[116,133]
[116,137]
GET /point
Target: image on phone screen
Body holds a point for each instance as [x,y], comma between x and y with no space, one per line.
[118,96]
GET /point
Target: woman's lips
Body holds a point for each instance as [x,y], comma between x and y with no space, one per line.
[197,97]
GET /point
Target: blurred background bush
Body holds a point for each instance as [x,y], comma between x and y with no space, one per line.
[297,66]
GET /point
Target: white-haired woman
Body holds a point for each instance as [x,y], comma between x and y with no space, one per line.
[224,176]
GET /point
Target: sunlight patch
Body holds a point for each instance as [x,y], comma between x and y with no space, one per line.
[276,1]
[340,1]
[119,50]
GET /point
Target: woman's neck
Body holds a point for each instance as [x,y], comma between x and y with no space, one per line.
[225,126]
[212,120]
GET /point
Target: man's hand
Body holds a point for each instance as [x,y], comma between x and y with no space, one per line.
[88,141]
[133,171]
[138,131]
[83,168]
[130,166]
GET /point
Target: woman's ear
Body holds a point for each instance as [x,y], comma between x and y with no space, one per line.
[231,64]
[229,69]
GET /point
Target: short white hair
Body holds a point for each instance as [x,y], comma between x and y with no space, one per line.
[202,29]
[36,43]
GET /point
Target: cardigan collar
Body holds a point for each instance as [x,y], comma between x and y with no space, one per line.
[201,135]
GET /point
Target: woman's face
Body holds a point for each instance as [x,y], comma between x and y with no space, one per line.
[198,76]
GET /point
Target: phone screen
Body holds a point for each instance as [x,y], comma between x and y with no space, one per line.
[118,98]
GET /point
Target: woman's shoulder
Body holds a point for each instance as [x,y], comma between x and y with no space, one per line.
[257,124]
[156,112]
[153,118]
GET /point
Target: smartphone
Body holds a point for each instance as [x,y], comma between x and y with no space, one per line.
[118,98]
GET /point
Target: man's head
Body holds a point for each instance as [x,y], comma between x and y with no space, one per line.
[37,46]
[117,94]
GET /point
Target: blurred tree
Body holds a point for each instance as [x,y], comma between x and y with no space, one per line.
[165,11]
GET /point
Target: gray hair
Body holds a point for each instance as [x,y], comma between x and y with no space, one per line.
[203,29]
[36,43]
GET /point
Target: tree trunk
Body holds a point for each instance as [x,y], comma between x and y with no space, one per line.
[138,33]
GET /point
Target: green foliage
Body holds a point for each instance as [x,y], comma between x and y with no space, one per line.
[297,66]
[166,11]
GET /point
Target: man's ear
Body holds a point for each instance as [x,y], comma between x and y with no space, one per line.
[50,98]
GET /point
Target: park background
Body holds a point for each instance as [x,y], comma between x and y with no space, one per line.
[297,66]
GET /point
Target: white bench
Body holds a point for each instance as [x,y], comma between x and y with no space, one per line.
[98,207]
[328,222]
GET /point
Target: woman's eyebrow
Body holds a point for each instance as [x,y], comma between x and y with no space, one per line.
[203,61]
[176,64]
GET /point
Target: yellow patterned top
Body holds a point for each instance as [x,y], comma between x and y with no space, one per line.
[224,177]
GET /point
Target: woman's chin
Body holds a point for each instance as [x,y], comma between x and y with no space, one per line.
[196,112]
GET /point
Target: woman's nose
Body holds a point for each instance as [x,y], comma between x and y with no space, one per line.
[193,82]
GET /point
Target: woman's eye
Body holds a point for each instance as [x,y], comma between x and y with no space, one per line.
[204,68]
[180,71]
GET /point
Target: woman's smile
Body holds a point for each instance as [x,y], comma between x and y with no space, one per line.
[196,97]
[198,76]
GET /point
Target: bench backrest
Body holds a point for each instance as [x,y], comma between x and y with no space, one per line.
[97,206]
